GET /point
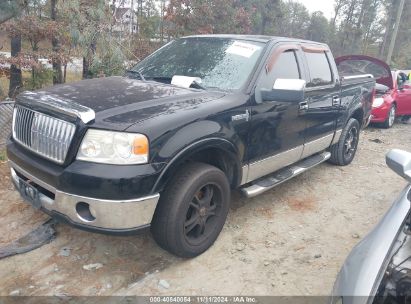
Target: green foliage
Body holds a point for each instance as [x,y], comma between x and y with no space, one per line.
[294,20]
[215,16]
[8,9]
[3,155]
[39,78]
[108,61]
[89,26]
[318,28]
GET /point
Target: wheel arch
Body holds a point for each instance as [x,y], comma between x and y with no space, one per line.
[358,114]
[218,152]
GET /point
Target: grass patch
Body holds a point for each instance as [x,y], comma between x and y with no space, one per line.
[4,81]
[3,155]
[4,87]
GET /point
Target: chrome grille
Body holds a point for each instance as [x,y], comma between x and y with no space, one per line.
[45,135]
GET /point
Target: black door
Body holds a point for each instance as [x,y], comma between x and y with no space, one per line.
[277,132]
[323,95]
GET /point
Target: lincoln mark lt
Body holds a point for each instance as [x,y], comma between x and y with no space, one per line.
[163,146]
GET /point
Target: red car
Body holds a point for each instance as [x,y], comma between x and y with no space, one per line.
[393,91]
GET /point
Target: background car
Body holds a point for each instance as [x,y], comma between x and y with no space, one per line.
[378,270]
[393,90]
[392,101]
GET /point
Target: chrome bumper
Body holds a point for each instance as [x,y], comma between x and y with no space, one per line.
[91,212]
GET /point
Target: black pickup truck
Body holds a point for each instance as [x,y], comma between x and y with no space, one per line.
[163,145]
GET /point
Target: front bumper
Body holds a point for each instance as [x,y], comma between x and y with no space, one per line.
[100,215]
[380,114]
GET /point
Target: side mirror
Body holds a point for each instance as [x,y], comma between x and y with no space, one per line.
[400,162]
[285,90]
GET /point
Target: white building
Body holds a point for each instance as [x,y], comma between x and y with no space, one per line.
[125,16]
[125,21]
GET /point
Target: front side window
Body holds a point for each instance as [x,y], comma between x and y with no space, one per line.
[286,67]
[319,67]
[221,63]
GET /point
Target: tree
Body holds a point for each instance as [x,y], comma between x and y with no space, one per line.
[213,16]
[265,12]
[294,20]
[89,25]
[57,72]
[318,28]
[16,77]
[356,27]
[8,10]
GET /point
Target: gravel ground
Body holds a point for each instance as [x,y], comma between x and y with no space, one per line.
[289,241]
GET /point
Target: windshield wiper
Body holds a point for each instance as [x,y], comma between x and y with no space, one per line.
[138,73]
[161,79]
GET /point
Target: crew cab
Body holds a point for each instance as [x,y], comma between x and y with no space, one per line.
[393,93]
[164,145]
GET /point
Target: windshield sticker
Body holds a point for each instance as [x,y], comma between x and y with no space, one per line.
[242,49]
[184,81]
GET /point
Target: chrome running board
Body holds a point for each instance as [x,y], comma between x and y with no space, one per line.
[267,183]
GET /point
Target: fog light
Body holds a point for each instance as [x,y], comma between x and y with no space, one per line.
[85,213]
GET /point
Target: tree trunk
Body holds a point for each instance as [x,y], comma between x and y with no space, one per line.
[87,60]
[16,81]
[395,33]
[264,22]
[57,73]
[388,30]
[85,68]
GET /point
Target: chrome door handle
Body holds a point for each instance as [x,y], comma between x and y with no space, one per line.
[336,100]
[304,106]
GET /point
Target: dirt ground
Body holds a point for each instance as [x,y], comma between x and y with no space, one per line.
[289,241]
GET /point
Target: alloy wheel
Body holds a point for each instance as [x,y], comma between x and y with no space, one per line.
[351,142]
[202,214]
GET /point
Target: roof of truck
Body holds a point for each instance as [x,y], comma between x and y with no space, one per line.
[257,38]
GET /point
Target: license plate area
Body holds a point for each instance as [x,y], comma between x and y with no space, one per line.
[29,193]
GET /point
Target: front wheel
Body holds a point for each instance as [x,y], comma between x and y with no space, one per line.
[391,117]
[343,153]
[192,210]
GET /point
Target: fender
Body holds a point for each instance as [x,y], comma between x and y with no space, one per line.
[357,103]
[222,144]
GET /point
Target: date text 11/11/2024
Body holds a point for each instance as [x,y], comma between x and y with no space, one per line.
[199,299]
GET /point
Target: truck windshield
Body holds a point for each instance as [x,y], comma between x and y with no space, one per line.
[216,62]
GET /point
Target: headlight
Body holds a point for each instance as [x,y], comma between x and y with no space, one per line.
[378,102]
[117,148]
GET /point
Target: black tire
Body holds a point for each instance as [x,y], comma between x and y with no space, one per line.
[187,220]
[343,152]
[389,122]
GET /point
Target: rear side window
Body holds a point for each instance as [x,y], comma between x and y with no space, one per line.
[320,71]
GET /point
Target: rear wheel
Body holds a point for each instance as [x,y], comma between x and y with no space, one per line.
[391,117]
[192,210]
[343,153]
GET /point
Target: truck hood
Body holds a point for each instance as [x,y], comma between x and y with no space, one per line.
[120,102]
[359,64]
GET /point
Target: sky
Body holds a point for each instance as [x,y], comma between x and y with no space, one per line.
[326,6]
